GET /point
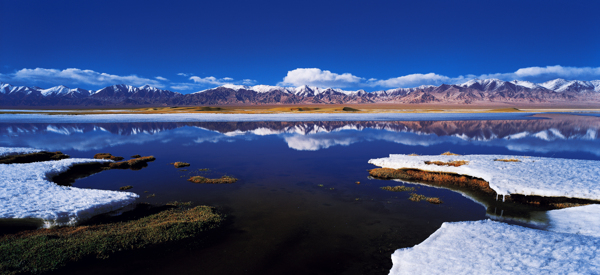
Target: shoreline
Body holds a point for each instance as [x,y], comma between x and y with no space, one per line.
[383,108]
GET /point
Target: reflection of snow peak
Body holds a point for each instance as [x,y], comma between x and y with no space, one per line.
[549,177]
[26,192]
[485,247]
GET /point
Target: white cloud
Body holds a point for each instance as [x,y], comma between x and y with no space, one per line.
[320,78]
[248,82]
[74,76]
[542,74]
[183,74]
[200,83]
[161,78]
[324,78]
[412,80]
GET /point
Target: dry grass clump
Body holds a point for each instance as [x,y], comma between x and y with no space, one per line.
[350,109]
[507,160]
[436,178]
[417,197]
[43,250]
[221,180]
[33,157]
[455,163]
[135,156]
[107,156]
[179,164]
[126,187]
[449,154]
[434,200]
[413,155]
[134,164]
[399,188]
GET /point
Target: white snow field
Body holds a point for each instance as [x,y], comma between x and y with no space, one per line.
[26,192]
[548,177]
[582,220]
[489,247]
[9,151]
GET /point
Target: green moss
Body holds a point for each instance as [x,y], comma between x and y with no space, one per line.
[43,250]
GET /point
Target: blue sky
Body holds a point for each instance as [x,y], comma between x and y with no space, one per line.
[187,46]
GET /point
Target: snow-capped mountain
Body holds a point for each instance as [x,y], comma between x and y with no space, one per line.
[470,92]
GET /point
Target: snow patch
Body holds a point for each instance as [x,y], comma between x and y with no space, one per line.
[583,220]
[531,176]
[26,192]
[489,247]
[10,151]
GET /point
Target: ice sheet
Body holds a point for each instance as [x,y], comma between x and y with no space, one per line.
[488,247]
[9,151]
[583,220]
[549,177]
[26,192]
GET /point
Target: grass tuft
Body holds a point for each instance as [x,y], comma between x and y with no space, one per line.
[44,250]
[449,154]
[221,180]
[417,197]
[350,109]
[507,160]
[107,156]
[413,155]
[126,187]
[455,163]
[179,164]
[134,164]
[399,188]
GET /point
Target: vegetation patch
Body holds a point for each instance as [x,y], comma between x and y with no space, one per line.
[449,154]
[455,163]
[107,156]
[82,170]
[435,178]
[413,155]
[304,109]
[399,188]
[507,160]
[179,164]
[135,156]
[44,250]
[221,180]
[126,187]
[210,109]
[474,184]
[417,197]
[33,157]
[349,109]
[133,164]
[504,110]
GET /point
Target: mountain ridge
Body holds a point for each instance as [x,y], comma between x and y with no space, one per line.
[470,92]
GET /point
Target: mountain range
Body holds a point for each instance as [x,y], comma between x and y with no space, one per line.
[471,92]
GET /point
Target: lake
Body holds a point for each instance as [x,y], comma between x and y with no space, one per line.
[304,202]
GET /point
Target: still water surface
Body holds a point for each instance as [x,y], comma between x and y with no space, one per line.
[297,208]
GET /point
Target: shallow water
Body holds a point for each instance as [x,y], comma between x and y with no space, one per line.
[297,208]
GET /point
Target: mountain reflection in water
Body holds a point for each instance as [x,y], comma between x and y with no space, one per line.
[557,134]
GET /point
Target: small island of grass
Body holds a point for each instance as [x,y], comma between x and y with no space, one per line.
[44,250]
[221,180]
